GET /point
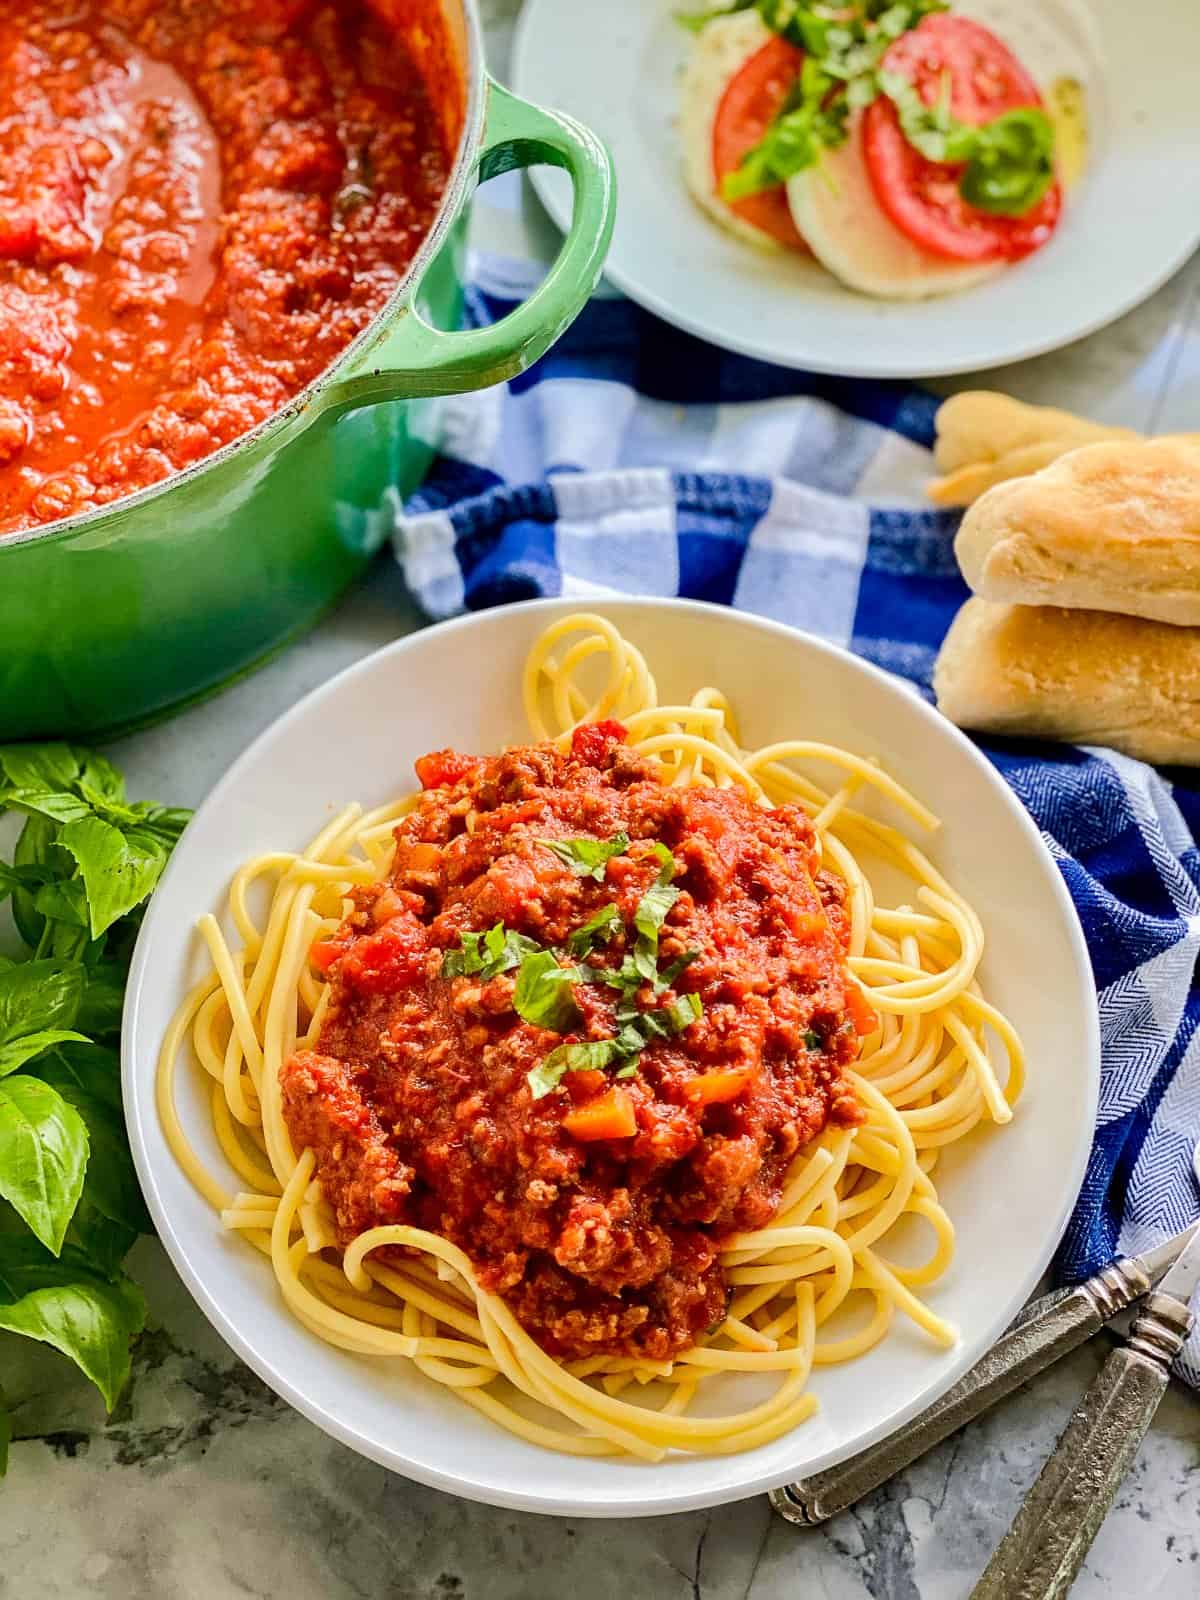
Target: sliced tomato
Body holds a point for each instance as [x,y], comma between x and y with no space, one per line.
[922,197]
[750,104]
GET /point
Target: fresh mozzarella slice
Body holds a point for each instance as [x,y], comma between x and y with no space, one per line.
[836,210]
[724,46]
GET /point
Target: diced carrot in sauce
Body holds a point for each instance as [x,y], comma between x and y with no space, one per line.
[860,1013]
[718,1088]
[612,1116]
[326,951]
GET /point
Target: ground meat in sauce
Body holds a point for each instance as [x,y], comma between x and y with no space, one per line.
[202,202]
[416,1101]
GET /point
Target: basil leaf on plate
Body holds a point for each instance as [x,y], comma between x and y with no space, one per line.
[588,858]
[1013,163]
[497,950]
[598,929]
[592,1056]
[545,993]
[43,1156]
[63,1301]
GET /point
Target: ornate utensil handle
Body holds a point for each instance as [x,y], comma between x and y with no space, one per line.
[1049,1329]
[1042,1552]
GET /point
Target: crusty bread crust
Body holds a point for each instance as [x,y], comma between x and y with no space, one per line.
[1087,677]
[979,425]
[1109,527]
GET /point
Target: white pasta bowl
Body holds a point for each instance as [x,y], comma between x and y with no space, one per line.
[1009,1191]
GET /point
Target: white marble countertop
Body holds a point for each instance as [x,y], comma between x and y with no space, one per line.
[204,1484]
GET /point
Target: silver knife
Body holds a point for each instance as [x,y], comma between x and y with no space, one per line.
[1042,1552]
[1046,1331]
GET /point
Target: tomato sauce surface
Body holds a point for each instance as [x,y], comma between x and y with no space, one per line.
[202,202]
[417,1100]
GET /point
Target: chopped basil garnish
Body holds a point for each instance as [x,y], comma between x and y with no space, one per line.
[588,858]
[681,1013]
[636,1029]
[651,913]
[666,978]
[593,1056]
[1008,162]
[813,1040]
[545,993]
[488,954]
[598,929]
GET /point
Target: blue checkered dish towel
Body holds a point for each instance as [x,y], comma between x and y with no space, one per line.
[637,460]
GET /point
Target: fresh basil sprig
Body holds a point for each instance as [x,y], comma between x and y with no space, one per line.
[70,1207]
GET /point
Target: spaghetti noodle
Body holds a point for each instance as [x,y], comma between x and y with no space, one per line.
[939,1060]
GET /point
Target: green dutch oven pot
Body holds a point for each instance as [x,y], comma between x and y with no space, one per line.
[110,620]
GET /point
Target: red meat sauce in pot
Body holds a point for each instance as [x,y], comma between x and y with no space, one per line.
[202,203]
[416,1099]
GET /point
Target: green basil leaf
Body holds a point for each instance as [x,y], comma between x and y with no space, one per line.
[63,901]
[103,999]
[104,1242]
[43,1156]
[119,869]
[627,1072]
[932,130]
[110,1186]
[812,1039]
[94,1069]
[631,1040]
[50,767]
[39,1002]
[650,915]
[14,880]
[465,960]
[697,21]
[1012,165]
[627,978]
[592,1056]
[64,1302]
[166,823]
[36,850]
[588,858]
[55,806]
[666,978]
[681,1013]
[505,950]
[598,929]
[498,950]
[97,774]
[20,1052]
[544,994]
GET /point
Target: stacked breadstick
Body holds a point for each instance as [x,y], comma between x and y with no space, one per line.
[1085,621]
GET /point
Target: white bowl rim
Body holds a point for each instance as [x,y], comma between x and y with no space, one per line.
[140,1105]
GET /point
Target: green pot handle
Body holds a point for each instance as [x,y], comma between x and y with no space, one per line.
[411,358]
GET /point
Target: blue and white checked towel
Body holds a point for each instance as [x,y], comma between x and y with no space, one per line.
[636,460]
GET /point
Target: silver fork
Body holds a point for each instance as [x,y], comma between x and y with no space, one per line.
[1049,1329]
